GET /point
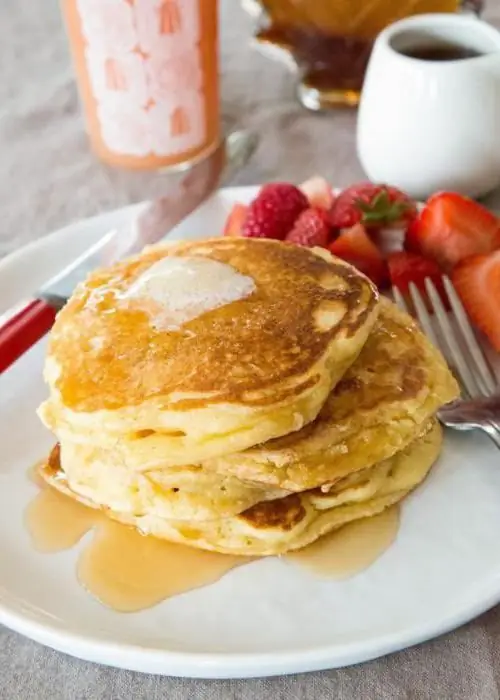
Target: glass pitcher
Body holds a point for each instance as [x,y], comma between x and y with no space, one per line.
[330,41]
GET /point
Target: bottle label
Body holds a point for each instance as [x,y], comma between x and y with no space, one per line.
[145,67]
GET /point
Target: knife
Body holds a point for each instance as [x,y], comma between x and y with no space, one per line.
[22,326]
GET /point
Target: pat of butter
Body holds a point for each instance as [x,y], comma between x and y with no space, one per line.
[182,289]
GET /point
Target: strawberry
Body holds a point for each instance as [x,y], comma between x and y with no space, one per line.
[310,229]
[405,267]
[451,228]
[477,281]
[318,192]
[273,213]
[235,220]
[411,240]
[356,247]
[375,206]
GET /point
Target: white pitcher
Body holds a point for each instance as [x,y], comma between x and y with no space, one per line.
[433,125]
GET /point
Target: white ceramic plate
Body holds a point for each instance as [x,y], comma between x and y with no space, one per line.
[268,617]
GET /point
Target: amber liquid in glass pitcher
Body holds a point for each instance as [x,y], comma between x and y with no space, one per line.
[331,40]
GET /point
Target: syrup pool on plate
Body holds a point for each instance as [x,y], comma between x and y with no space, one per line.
[128,571]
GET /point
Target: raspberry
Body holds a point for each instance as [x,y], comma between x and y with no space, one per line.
[273,213]
[310,229]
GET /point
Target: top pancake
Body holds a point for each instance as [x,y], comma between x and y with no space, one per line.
[395,386]
[234,376]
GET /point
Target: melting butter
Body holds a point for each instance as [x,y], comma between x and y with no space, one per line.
[176,290]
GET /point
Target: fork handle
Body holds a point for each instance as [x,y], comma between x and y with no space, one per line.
[22,328]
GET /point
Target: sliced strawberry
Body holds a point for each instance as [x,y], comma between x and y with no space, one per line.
[375,206]
[411,239]
[274,211]
[318,192]
[355,247]
[405,267]
[235,220]
[451,228]
[477,281]
[310,229]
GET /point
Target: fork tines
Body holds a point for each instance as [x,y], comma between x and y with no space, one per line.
[455,336]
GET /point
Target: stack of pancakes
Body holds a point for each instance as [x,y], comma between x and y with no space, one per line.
[258,425]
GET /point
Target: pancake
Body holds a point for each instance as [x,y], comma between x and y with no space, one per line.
[179,493]
[278,325]
[290,523]
[396,385]
[188,493]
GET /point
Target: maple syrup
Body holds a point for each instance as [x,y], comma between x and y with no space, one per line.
[331,40]
[129,572]
[351,549]
[123,569]
[441,52]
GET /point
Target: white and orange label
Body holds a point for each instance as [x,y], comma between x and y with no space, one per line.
[148,74]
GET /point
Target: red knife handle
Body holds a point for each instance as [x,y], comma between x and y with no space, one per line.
[24,329]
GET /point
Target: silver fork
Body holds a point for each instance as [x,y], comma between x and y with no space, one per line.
[453,334]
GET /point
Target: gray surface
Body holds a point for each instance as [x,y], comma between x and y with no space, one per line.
[48,178]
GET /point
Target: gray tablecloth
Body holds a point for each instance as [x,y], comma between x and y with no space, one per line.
[48,178]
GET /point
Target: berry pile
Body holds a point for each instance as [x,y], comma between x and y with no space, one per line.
[381,231]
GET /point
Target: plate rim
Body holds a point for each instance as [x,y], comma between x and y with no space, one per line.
[201,664]
[51,238]
[213,665]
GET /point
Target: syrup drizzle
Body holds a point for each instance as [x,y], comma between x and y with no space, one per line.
[351,549]
[129,572]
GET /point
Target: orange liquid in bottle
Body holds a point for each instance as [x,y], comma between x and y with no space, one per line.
[148,78]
